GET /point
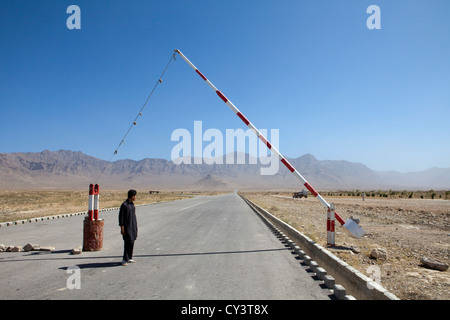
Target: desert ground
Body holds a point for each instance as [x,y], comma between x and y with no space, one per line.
[407,229]
[24,204]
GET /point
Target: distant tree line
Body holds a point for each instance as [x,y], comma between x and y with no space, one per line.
[392,194]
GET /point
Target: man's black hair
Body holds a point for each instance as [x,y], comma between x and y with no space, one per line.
[131,193]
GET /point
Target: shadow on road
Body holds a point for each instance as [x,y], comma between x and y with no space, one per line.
[51,256]
[208,253]
[95,265]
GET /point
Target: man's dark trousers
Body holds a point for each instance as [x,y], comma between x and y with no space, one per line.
[128,249]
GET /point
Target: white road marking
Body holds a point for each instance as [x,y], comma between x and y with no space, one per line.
[194,205]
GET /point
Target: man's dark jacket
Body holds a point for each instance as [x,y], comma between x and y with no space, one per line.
[127,219]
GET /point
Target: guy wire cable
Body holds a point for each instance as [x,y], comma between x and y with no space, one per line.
[137,117]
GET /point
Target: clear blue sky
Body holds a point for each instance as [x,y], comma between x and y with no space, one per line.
[311,69]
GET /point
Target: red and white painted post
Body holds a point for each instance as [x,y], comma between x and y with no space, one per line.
[96,201]
[350,225]
[94,193]
[91,202]
[330,225]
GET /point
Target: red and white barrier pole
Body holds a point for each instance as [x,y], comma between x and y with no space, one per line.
[91,202]
[96,201]
[350,225]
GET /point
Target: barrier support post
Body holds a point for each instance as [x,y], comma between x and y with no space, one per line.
[96,201]
[330,225]
[91,202]
[92,225]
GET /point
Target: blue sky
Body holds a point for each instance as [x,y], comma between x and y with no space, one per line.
[311,69]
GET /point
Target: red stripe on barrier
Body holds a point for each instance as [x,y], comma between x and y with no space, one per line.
[311,189]
[264,140]
[288,165]
[338,218]
[200,74]
[243,118]
[220,94]
[332,226]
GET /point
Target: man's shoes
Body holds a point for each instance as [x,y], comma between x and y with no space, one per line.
[124,262]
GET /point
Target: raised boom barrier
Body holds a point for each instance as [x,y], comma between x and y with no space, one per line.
[352,227]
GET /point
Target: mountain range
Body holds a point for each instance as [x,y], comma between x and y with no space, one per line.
[65,169]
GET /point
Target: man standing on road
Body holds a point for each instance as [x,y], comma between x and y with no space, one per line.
[128,226]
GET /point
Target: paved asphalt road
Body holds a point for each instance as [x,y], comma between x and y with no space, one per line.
[202,248]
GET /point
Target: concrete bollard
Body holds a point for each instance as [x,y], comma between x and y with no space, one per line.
[329,281]
[289,244]
[301,254]
[307,259]
[339,292]
[320,273]
[313,266]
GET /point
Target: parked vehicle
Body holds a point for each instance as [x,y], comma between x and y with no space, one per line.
[300,194]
